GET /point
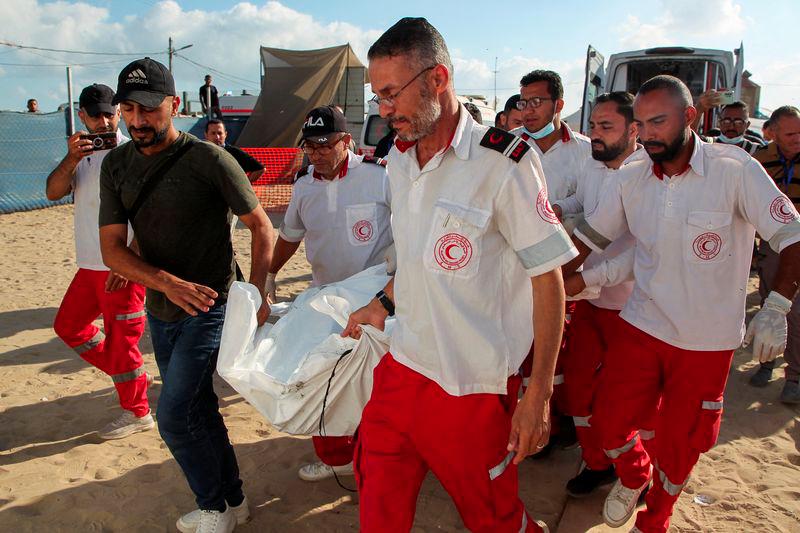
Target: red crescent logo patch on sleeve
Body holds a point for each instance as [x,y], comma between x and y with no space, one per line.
[782,210]
[544,209]
[362,230]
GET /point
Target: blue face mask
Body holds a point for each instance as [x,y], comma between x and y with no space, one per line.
[544,132]
[727,140]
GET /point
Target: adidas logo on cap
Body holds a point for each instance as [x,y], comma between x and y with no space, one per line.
[136,76]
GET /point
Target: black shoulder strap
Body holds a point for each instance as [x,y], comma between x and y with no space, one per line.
[506,143]
[155,178]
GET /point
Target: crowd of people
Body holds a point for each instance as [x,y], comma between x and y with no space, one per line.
[547,286]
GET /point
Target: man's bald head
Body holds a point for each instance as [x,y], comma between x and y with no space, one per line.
[672,85]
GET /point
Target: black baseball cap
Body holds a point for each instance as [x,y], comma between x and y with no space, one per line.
[321,122]
[96,99]
[146,82]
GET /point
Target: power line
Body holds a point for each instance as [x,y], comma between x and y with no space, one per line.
[229,77]
[24,47]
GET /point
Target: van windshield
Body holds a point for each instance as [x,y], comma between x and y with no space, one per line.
[692,72]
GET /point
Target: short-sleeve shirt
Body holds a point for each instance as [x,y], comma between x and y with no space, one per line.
[563,162]
[694,241]
[86,190]
[344,221]
[184,226]
[214,95]
[471,228]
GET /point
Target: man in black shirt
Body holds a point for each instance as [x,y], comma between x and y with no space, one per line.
[217,134]
[209,99]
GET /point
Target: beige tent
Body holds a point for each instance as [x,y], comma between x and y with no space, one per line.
[297,81]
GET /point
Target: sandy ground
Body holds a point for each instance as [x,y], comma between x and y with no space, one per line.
[56,475]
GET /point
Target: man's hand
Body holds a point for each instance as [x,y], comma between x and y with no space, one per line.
[708,100]
[78,148]
[114,282]
[191,297]
[373,314]
[271,288]
[263,312]
[768,328]
[574,284]
[530,426]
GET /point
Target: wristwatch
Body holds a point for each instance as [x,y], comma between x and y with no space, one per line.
[387,304]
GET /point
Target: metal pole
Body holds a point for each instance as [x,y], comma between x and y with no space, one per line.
[69,102]
[495,84]
[170,50]
[208,102]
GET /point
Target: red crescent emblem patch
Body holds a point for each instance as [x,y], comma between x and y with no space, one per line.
[707,246]
[782,210]
[452,251]
[544,209]
[362,230]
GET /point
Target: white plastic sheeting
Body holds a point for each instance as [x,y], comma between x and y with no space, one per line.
[283,370]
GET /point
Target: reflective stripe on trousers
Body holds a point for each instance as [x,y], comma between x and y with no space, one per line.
[673,489]
[558,380]
[129,316]
[647,434]
[92,343]
[498,470]
[628,446]
[128,376]
[582,421]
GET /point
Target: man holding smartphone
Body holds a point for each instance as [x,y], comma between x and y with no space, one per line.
[95,289]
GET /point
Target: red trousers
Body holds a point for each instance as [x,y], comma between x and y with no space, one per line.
[591,331]
[638,371]
[334,451]
[117,351]
[411,425]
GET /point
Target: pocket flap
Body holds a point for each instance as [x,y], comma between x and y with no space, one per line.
[709,219]
[471,215]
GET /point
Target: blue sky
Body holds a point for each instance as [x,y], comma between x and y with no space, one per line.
[523,36]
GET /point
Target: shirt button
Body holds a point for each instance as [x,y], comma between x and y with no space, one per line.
[457,225]
[709,227]
[416,184]
[669,204]
[671,185]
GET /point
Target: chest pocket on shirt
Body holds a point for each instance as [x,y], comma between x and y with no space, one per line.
[454,242]
[708,237]
[362,224]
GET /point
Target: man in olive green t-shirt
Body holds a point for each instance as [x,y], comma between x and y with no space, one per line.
[182,224]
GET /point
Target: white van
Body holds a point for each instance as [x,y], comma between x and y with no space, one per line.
[375,127]
[700,69]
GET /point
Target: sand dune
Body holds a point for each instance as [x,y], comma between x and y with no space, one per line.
[56,475]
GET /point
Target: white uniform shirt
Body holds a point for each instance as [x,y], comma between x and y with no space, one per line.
[694,241]
[590,186]
[86,190]
[345,221]
[471,228]
[563,162]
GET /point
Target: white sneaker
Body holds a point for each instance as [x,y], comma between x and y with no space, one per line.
[319,471]
[216,522]
[188,523]
[620,503]
[127,424]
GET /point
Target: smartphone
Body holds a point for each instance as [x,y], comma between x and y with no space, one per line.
[102,141]
[725,97]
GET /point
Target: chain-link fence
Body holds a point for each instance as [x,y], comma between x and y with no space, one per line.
[32,145]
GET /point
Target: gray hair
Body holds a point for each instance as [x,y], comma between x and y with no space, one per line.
[414,37]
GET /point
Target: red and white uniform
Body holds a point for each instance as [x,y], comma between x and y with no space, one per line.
[563,162]
[594,322]
[115,351]
[345,223]
[694,238]
[471,228]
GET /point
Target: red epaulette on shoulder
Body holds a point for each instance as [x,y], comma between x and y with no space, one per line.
[506,143]
[374,160]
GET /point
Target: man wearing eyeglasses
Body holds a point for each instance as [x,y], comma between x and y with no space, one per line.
[733,124]
[564,153]
[340,206]
[478,247]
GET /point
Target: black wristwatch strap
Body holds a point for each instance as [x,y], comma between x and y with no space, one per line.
[387,304]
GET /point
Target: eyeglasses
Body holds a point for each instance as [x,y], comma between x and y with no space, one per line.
[728,121]
[321,149]
[389,100]
[534,102]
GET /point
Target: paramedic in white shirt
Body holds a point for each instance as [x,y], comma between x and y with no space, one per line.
[693,209]
[471,218]
[340,207]
[95,290]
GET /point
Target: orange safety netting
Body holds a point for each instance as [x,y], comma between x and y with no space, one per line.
[274,187]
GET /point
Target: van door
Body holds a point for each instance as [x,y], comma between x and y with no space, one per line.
[594,84]
[738,72]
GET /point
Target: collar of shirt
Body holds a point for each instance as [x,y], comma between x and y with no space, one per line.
[349,163]
[459,140]
[695,162]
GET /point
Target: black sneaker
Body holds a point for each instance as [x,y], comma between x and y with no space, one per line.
[761,377]
[587,480]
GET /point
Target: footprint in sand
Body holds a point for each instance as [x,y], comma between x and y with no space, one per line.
[74,469]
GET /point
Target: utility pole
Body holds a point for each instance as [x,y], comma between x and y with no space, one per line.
[495,83]
[171,51]
[70,107]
